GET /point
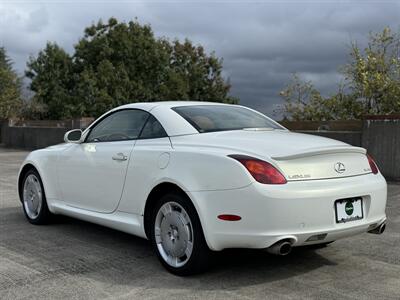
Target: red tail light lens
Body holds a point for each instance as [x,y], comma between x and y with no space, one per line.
[229,217]
[372,164]
[262,171]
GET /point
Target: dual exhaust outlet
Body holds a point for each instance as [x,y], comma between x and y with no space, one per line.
[378,230]
[284,247]
[280,248]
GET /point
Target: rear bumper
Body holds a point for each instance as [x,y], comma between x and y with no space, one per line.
[294,211]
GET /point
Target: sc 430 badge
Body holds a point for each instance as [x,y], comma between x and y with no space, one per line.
[300,176]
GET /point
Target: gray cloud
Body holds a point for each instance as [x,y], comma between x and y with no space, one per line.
[261,42]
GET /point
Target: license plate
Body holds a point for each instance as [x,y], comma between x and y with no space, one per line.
[348,210]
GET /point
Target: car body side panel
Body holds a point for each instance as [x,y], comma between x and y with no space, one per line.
[147,165]
[154,162]
[46,161]
[91,178]
[126,222]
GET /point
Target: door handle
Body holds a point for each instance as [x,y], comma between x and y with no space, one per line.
[120,157]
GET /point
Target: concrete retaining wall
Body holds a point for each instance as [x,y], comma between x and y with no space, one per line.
[32,137]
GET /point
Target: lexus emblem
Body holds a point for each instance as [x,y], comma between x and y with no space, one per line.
[339,167]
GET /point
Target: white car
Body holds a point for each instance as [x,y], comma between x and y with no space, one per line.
[197,176]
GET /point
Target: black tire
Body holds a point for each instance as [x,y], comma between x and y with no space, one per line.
[200,257]
[44,215]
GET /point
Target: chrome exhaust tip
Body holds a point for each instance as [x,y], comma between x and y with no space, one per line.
[280,248]
[379,229]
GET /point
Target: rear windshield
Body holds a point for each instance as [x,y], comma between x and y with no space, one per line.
[209,118]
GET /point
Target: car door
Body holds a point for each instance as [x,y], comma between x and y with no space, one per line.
[149,160]
[92,174]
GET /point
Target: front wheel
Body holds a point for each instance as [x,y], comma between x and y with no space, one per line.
[177,236]
[34,199]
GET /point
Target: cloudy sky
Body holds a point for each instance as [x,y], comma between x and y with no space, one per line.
[262,42]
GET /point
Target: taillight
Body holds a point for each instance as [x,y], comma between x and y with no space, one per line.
[372,165]
[262,171]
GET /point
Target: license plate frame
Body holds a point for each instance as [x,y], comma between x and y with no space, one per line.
[342,206]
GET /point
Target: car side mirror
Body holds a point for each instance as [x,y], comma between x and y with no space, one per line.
[73,136]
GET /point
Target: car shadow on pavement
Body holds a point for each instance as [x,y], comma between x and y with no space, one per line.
[70,247]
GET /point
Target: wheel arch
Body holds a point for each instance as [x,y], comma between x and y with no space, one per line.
[157,191]
[24,169]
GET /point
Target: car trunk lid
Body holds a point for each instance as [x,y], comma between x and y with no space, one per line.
[324,163]
[298,156]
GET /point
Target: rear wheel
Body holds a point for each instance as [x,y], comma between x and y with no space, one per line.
[177,235]
[34,199]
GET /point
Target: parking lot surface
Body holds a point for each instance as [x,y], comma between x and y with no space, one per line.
[77,260]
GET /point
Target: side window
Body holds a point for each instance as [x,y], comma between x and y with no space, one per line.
[121,125]
[153,129]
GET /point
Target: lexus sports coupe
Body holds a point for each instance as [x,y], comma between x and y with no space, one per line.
[197,177]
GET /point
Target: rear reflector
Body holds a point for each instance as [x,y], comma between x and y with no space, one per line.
[229,217]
